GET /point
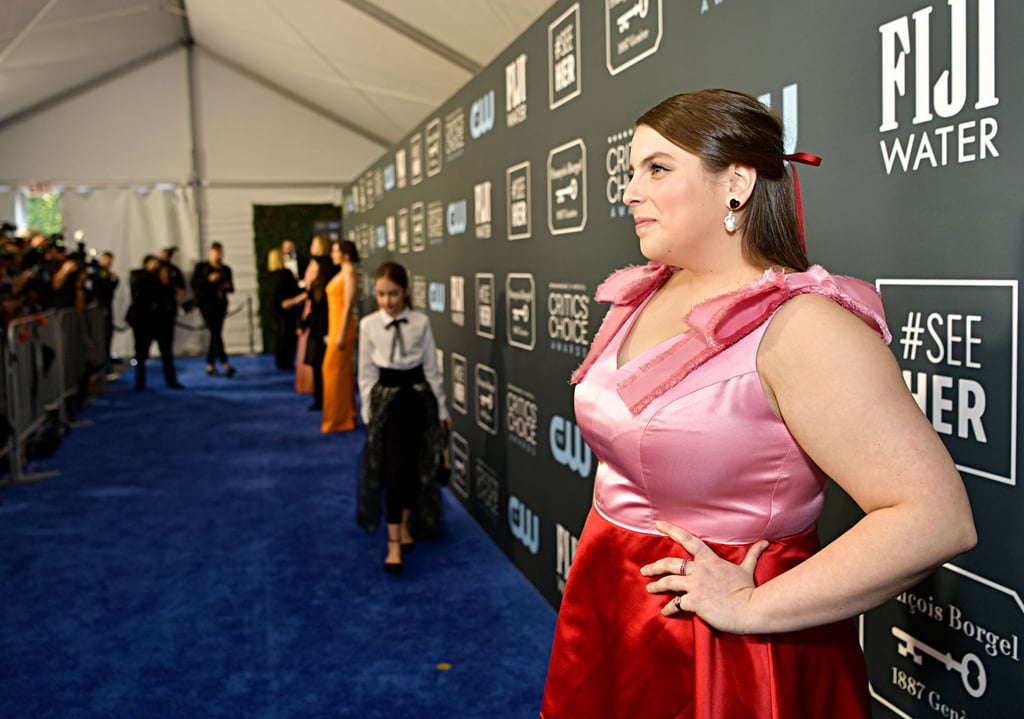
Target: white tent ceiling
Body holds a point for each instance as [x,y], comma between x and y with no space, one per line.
[376,67]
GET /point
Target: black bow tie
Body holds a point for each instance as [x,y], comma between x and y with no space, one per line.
[397,343]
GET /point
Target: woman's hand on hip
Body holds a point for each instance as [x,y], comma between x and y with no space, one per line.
[715,589]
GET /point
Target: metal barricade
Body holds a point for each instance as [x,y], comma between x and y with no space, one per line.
[47,359]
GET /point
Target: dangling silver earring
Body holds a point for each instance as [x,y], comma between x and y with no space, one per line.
[730,219]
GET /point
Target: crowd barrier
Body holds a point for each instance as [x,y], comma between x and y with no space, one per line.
[49,360]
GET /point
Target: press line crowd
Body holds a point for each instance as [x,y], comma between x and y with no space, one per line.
[40,272]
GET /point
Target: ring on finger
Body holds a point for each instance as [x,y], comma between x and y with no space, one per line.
[678,601]
[682,567]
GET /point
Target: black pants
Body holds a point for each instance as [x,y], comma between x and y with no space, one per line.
[402,436]
[213,316]
[163,333]
[287,340]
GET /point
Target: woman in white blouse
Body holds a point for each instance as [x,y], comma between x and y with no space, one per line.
[403,406]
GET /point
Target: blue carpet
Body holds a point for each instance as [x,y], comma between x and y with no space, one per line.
[197,556]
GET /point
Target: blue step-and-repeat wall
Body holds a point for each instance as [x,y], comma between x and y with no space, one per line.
[505,206]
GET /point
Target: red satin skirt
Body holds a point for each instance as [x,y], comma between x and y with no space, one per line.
[615,656]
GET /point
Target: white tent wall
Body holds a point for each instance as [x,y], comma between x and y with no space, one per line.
[124,137]
[133,223]
[133,129]
[248,132]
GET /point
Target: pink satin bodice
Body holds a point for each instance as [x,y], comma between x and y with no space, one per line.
[700,446]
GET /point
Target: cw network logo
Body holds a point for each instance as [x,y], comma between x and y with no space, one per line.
[568,447]
[436,296]
[481,116]
[456,217]
[524,523]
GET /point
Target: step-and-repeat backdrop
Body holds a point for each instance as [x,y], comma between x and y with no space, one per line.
[505,206]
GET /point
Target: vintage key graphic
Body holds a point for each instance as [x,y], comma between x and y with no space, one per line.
[911,646]
[638,10]
[569,191]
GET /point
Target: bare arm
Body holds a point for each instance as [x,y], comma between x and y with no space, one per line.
[351,282]
[841,394]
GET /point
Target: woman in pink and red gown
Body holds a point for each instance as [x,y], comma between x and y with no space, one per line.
[728,381]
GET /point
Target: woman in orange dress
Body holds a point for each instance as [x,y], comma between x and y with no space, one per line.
[338,370]
[303,372]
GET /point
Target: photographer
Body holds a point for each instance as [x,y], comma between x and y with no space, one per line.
[103,283]
[151,316]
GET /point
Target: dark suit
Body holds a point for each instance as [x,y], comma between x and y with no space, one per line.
[211,286]
[284,286]
[151,316]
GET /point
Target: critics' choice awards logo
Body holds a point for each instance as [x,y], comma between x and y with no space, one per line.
[567,188]
[458,453]
[419,291]
[521,418]
[632,32]
[482,210]
[400,168]
[458,302]
[524,524]
[454,134]
[460,384]
[956,344]
[486,490]
[455,217]
[485,304]
[564,82]
[378,183]
[568,323]
[515,91]
[951,645]
[416,158]
[521,310]
[517,178]
[949,128]
[481,116]
[435,222]
[486,383]
[435,158]
[565,552]
[616,165]
[403,230]
[568,447]
[418,226]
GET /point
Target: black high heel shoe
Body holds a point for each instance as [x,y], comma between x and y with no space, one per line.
[393,567]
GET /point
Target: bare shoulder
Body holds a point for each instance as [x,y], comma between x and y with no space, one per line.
[813,327]
[815,348]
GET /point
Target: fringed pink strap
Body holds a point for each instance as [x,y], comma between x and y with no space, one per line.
[716,324]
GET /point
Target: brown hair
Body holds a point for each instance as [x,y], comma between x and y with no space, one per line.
[348,248]
[395,273]
[724,127]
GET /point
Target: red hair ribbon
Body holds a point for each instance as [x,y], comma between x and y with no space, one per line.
[805,158]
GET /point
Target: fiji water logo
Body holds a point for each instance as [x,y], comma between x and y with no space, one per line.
[907,70]
[524,523]
[568,447]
